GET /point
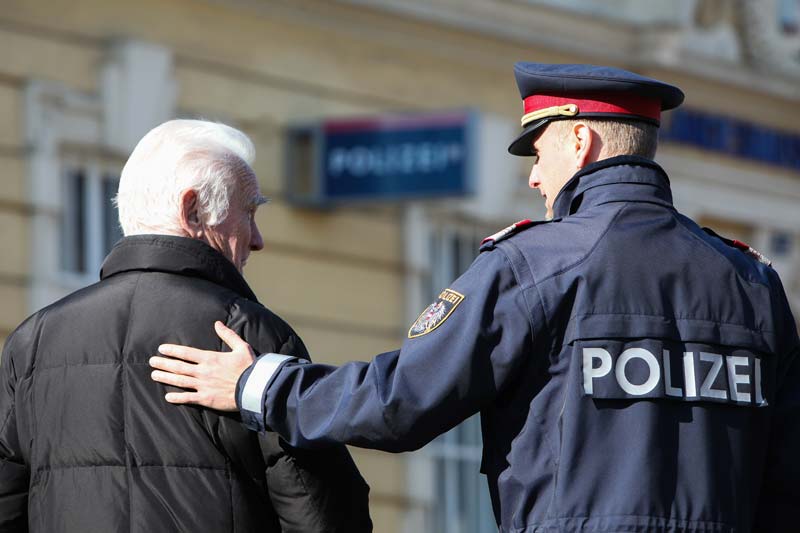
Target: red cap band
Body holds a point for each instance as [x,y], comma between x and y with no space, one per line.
[610,103]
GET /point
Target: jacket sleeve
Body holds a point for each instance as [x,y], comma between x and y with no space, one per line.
[462,350]
[14,472]
[318,490]
[310,491]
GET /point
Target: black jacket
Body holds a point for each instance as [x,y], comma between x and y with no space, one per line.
[88,443]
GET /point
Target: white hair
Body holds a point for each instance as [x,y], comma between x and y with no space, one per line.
[173,157]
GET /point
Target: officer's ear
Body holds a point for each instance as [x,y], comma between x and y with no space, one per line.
[190,214]
[586,144]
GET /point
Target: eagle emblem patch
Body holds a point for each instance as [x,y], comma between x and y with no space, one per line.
[436,313]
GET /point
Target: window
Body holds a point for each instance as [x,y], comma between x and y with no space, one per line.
[89,223]
[77,142]
[462,503]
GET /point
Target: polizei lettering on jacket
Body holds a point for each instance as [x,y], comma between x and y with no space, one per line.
[637,372]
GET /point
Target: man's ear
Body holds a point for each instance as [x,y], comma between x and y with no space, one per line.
[190,214]
[587,144]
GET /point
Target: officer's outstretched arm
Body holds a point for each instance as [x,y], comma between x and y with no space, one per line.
[464,348]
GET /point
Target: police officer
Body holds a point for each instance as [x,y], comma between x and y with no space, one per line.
[633,372]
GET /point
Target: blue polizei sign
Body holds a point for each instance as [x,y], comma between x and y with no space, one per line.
[384,158]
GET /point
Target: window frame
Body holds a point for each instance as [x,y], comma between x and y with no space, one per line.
[445,248]
[95,171]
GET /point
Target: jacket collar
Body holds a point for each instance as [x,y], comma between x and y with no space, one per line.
[611,180]
[174,255]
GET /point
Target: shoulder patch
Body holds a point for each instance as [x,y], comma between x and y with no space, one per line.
[436,313]
[489,242]
[739,245]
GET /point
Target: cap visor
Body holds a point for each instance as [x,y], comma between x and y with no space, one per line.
[523,145]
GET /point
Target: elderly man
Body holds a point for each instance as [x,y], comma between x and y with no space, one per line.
[86,442]
[633,372]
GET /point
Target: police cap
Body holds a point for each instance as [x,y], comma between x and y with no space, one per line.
[557,91]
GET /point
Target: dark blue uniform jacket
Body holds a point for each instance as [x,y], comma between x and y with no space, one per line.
[633,373]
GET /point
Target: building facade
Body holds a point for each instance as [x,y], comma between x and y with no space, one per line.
[82,80]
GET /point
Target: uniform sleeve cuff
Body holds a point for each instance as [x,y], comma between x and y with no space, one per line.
[251,389]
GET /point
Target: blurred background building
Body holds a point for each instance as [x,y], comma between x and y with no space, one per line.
[82,80]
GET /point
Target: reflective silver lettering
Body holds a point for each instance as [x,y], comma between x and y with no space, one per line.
[735,379]
[706,390]
[652,364]
[589,373]
[688,375]
[670,390]
[759,396]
